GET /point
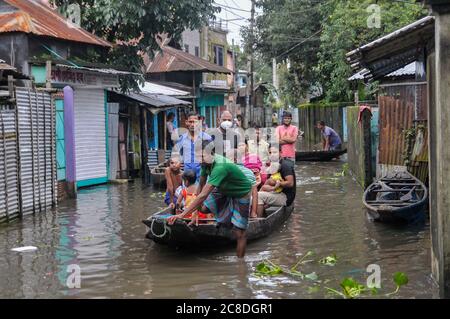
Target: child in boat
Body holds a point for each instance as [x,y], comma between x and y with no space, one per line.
[173,177]
[188,195]
[275,176]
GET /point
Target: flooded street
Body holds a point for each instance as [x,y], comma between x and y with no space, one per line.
[102,233]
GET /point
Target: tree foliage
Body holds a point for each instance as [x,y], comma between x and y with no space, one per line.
[315,35]
[122,22]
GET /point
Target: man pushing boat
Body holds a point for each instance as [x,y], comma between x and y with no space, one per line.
[224,191]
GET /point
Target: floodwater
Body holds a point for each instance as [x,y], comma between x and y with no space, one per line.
[101,235]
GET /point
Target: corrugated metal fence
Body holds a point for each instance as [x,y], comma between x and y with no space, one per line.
[308,117]
[403,108]
[9,193]
[29,155]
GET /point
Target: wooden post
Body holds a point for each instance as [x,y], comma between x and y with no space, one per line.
[439,117]
[48,77]
[165,131]
[193,88]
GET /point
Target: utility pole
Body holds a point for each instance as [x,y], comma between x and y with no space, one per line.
[252,61]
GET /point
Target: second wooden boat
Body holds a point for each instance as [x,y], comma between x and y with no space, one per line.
[397,197]
[318,156]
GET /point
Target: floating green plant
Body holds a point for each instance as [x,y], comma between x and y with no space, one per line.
[329,260]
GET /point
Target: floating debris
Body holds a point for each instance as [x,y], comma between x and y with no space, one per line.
[24,249]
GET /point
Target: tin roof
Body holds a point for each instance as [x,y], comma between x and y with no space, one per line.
[153,88]
[393,51]
[31,16]
[155,102]
[408,70]
[7,69]
[172,60]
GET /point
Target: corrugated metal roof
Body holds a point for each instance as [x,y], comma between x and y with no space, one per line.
[5,66]
[173,60]
[153,88]
[10,70]
[393,51]
[410,69]
[159,102]
[38,19]
[98,70]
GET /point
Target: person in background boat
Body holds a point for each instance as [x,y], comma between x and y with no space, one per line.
[203,123]
[257,145]
[226,138]
[170,130]
[331,140]
[287,135]
[188,195]
[189,144]
[274,120]
[270,194]
[173,177]
[223,191]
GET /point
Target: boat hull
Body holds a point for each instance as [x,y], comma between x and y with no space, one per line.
[396,209]
[318,156]
[210,236]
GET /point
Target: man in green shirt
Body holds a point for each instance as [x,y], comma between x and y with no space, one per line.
[226,194]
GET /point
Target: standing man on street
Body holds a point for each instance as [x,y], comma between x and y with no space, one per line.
[287,135]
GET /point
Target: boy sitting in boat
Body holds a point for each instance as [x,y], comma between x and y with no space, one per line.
[173,177]
[188,195]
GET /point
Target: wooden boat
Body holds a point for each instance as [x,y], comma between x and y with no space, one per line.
[209,234]
[157,175]
[397,197]
[318,156]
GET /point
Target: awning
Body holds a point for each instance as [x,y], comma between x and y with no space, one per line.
[155,103]
[154,88]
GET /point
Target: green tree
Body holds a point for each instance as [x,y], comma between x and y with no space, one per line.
[122,22]
[315,35]
[346,28]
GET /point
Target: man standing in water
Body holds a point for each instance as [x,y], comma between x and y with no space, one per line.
[224,191]
[287,135]
[331,139]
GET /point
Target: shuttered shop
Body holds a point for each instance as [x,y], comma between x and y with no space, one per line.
[90,137]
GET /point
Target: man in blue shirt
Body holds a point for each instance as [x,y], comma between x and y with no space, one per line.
[189,145]
[331,139]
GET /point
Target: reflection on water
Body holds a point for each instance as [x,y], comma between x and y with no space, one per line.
[102,233]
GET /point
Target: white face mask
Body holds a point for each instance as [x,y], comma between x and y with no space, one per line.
[226,125]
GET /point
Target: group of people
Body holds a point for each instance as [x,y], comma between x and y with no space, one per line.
[230,176]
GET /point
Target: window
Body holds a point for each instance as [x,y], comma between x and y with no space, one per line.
[197,51]
[218,55]
[186,48]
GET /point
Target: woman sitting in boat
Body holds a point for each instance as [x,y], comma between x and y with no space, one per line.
[188,195]
[276,191]
[223,191]
[173,177]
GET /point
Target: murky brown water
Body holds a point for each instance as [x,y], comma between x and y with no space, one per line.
[102,233]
